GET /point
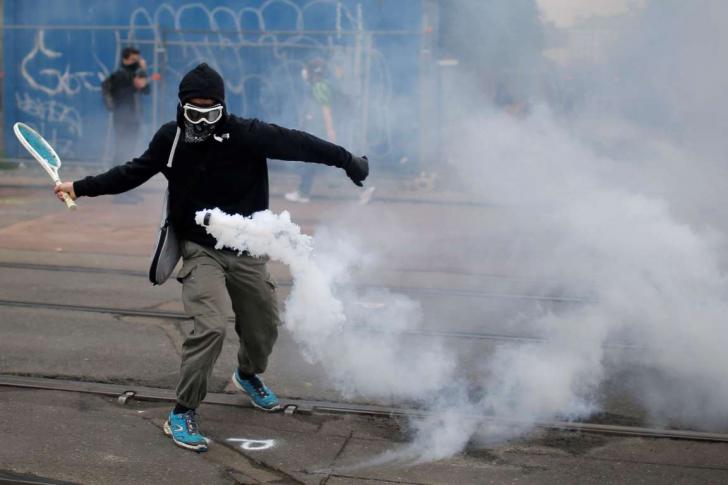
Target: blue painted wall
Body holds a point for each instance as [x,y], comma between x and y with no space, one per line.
[53,74]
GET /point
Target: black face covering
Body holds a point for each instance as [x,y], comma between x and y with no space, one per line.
[199,132]
[132,67]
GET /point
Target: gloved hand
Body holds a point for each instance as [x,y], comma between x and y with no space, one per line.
[358,170]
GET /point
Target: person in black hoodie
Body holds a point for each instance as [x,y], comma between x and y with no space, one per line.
[214,159]
[121,91]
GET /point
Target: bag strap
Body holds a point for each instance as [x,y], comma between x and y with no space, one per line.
[174,148]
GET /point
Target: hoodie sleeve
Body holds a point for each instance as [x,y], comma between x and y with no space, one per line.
[131,174]
[281,143]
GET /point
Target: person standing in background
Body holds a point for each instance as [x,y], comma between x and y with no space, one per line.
[122,92]
[318,119]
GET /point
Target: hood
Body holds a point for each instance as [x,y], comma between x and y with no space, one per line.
[202,82]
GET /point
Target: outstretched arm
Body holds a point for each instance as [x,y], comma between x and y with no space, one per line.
[124,177]
[281,143]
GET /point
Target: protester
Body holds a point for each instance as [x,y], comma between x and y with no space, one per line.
[214,159]
[122,92]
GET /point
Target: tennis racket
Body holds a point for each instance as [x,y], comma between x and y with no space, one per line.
[44,153]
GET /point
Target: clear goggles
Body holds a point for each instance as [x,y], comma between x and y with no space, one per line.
[196,114]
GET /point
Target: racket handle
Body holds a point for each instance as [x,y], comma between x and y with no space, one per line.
[69,202]
[66,198]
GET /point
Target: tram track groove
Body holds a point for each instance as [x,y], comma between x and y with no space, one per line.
[304,406]
[178,316]
[288,284]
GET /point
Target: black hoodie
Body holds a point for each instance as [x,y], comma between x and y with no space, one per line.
[228,170]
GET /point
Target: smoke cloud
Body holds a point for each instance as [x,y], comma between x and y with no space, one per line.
[357,335]
[606,174]
[653,280]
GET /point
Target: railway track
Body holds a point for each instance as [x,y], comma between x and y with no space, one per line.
[168,315]
[178,316]
[124,393]
[405,289]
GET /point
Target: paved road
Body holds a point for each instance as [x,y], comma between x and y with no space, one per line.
[84,438]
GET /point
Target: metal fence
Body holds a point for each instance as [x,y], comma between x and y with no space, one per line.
[52,78]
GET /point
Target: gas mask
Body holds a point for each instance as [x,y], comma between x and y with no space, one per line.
[200,122]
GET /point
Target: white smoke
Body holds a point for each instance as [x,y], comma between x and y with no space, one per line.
[647,278]
[618,202]
[652,279]
[359,336]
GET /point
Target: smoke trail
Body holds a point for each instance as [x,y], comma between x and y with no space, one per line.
[649,279]
[358,336]
[614,204]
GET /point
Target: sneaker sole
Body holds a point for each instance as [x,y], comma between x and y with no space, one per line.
[168,432]
[241,388]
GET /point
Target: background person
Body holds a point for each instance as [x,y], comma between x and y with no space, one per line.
[122,92]
[318,119]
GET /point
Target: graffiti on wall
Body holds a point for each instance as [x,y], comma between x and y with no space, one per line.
[260,50]
[53,94]
[54,81]
[61,123]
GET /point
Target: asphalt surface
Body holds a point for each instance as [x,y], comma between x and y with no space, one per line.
[83,438]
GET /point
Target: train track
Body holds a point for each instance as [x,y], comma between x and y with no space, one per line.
[285,284]
[178,316]
[124,393]
[169,315]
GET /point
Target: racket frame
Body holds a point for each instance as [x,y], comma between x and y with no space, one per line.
[51,170]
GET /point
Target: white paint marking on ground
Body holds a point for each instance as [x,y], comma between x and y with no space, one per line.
[253,445]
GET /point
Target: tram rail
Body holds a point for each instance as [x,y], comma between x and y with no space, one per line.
[286,284]
[126,392]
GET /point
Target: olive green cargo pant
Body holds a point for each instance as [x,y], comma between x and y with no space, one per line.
[208,278]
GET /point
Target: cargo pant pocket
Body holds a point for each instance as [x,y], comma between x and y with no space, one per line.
[186,270]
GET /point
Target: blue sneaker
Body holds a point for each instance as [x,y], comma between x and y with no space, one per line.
[261,397]
[183,430]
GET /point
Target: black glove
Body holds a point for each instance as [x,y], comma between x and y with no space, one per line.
[358,169]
